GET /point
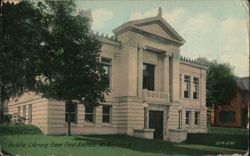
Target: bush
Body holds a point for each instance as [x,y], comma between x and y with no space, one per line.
[19,129]
[229,131]
[7,118]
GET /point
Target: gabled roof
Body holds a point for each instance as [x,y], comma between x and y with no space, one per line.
[136,24]
[243,83]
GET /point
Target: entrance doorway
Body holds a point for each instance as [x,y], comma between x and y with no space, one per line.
[156,122]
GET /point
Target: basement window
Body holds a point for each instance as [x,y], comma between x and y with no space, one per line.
[197,118]
[188,117]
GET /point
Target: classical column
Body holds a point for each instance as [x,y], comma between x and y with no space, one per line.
[140,70]
[146,118]
[170,79]
[166,75]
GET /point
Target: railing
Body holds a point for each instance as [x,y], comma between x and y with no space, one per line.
[154,96]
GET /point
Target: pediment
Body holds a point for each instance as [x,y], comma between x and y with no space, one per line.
[158,29]
[156,26]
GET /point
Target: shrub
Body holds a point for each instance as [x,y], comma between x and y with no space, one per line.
[19,129]
[219,140]
[7,118]
[229,131]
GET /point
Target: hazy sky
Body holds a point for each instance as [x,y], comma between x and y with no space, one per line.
[216,29]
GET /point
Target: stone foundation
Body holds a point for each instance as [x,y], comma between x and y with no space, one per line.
[144,133]
[177,135]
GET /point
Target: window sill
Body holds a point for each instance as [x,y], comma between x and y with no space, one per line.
[71,124]
[197,126]
[92,124]
[184,98]
[107,125]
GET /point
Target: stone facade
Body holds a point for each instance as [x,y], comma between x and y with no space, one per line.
[134,109]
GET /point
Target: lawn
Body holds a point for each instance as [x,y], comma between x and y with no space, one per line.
[96,145]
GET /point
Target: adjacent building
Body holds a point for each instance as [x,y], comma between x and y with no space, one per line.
[155,93]
[234,113]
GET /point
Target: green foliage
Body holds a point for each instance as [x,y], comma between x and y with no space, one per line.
[110,145]
[221,84]
[19,129]
[71,69]
[20,42]
[7,118]
[222,137]
[228,131]
[49,49]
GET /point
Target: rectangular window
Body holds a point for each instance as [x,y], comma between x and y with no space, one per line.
[148,76]
[188,117]
[72,108]
[89,113]
[19,111]
[180,86]
[187,86]
[24,111]
[197,118]
[227,116]
[30,113]
[107,68]
[196,88]
[106,113]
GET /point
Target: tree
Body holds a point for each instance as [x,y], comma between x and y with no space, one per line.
[221,84]
[70,59]
[20,42]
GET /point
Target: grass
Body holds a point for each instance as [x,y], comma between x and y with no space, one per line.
[95,145]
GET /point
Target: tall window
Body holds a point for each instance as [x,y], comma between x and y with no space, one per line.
[19,110]
[106,113]
[24,112]
[30,114]
[107,68]
[196,88]
[180,86]
[72,107]
[187,86]
[188,117]
[197,118]
[89,113]
[148,76]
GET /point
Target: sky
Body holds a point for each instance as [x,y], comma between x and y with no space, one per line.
[215,29]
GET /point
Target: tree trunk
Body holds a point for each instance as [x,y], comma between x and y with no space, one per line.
[1,111]
[1,103]
[68,104]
